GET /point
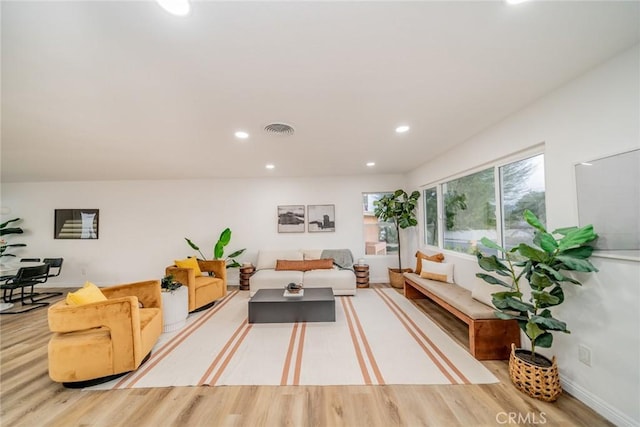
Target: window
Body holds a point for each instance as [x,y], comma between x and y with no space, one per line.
[470,212]
[380,237]
[431,216]
[522,185]
[460,212]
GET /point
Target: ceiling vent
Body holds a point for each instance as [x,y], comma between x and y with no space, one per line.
[279,129]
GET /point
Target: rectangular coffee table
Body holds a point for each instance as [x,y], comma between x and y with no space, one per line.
[270,306]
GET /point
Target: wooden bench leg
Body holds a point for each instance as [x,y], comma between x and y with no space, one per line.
[491,339]
[412,293]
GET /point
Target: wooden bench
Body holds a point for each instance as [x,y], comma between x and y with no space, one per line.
[489,338]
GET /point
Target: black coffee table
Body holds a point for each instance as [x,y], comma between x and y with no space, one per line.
[270,306]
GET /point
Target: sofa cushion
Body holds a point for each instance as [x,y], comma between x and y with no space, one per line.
[189,263]
[439,257]
[312,253]
[87,294]
[440,271]
[482,292]
[456,296]
[268,259]
[343,282]
[306,265]
[271,279]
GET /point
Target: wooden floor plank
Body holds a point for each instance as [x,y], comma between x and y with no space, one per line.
[29,398]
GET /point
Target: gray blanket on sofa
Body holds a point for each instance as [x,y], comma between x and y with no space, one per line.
[342,258]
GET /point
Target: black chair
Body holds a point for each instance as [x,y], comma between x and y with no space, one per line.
[54,263]
[27,277]
[30,260]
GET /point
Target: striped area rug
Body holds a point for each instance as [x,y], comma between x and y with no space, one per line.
[379,337]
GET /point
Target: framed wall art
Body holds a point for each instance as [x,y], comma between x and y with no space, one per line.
[76,224]
[291,219]
[322,218]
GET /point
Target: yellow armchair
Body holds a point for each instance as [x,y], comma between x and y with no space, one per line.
[203,290]
[97,342]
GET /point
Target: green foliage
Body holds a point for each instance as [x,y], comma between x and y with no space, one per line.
[398,208]
[168,284]
[6,230]
[542,265]
[218,249]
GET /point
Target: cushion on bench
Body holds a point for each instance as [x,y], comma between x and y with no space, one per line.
[456,296]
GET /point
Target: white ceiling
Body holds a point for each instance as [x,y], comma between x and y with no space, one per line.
[97,90]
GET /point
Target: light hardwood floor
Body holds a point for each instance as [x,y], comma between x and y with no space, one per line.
[29,398]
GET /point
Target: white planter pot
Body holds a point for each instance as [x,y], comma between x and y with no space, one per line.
[175,309]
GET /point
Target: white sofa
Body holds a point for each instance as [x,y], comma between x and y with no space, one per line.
[342,281]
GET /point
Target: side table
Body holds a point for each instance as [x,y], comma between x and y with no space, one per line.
[245,274]
[175,309]
[362,275]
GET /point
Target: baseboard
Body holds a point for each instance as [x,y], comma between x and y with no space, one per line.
[601,407]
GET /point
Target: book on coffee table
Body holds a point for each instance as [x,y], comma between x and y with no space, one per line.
[293,295]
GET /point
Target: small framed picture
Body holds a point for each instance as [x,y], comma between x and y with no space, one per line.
[76,224]
[291,219]
[321,218]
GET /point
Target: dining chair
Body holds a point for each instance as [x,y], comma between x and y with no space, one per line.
[30,260]
[54,263]
[26,277]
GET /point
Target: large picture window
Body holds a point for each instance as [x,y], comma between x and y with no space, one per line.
[460,212]
[522,185]
[470,210]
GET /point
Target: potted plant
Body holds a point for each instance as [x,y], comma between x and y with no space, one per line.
[4,230]
[218,249]
[398,208]
[543,265]
[175,304]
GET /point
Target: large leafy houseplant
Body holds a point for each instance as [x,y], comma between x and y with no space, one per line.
[218,249]
[543,265]
[398,208]
[5,230]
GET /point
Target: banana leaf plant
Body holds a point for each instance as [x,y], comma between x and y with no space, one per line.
[4,230]
[542,265]
[218,249]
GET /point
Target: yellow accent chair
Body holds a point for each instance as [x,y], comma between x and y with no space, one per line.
[203,290]
[95,342]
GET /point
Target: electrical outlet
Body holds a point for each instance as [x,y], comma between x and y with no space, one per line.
[584,354]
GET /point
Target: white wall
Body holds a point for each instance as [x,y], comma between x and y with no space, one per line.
[595,115]
[143,223]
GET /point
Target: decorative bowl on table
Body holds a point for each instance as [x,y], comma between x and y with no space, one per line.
[293,290]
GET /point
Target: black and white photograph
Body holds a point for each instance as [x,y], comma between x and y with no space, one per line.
[322,218]
[291,219]
[76,224]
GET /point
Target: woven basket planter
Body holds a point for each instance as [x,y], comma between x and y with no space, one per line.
[396,278]
[538,382]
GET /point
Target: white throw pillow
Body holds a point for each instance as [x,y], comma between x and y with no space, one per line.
[440,271]
[268,259]
[482,291]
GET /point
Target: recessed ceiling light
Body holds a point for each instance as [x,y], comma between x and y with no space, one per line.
[402,129]
[371,164]
[241,135]
[515,1]
[176,7]
[270,166]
